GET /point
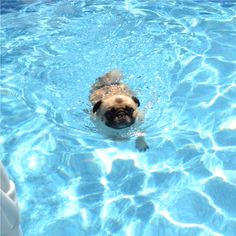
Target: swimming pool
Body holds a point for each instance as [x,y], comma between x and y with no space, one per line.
[180,58]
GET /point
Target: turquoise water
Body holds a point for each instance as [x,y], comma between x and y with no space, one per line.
[180,58]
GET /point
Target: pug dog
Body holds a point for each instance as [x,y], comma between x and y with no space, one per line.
[115,108]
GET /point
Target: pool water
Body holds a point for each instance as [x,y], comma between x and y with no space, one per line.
[179,57]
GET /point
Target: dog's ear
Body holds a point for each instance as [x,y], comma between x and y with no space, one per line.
[96,106]
[136,100]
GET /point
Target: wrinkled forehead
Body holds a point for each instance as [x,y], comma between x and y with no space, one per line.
[121,100]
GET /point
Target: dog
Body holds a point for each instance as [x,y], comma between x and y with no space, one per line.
[115,108]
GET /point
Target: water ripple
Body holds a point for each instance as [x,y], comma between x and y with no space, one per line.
[179,57]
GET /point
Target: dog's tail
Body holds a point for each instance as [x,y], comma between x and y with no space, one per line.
[112,77]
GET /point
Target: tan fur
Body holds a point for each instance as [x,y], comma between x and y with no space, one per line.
[110,93]
[105,88]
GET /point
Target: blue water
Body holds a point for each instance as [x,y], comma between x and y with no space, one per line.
[179,57]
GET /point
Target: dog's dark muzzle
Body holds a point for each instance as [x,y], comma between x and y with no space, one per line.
[121,115]
[119,120]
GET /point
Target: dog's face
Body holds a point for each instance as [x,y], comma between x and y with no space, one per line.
[117,111]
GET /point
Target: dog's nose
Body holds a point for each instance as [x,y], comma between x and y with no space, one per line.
[120,116]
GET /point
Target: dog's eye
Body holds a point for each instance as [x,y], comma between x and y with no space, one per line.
[113,110]
[129,109]
[110,114]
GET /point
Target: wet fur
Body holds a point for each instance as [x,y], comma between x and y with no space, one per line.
[109,92]
[108,85]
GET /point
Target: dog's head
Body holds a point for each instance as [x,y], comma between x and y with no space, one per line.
[118,111]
